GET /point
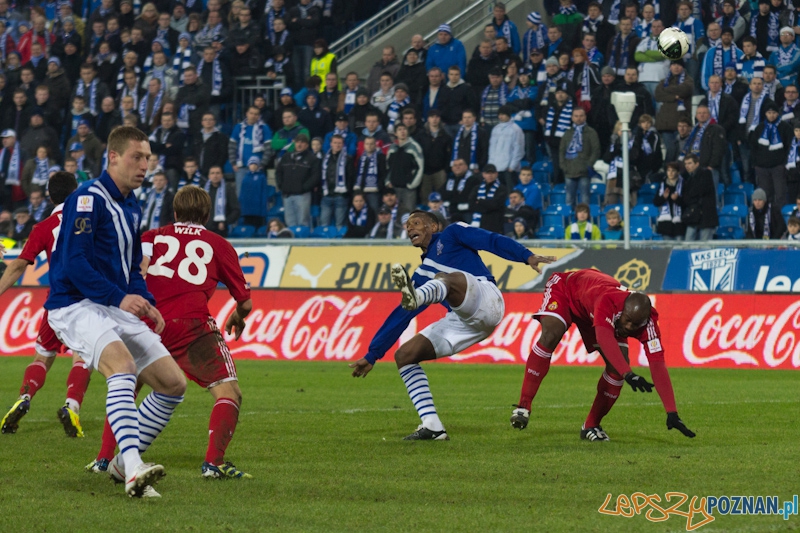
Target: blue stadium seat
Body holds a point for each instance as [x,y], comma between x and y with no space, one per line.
[558,198]
[746,188]
[787,209]
[609,207]
[649,188]
[721,190]
[645,209]
[594,210]
[730,221]
[731,211]
[729,233]
[560,187]
[552,220]
[641,233]
[736,176]
[544,188]
[340,233]
[645,198]
[263,231]
[241,232]
[315,210]
[271,191]
[640,221]
[542,166]
[734,198]
[301,232]
[598,188]
[550,232]
[325,232]
[564,211]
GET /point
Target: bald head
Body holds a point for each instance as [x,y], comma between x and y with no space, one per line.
[635,314]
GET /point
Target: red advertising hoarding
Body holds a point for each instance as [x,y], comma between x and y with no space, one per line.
[699,330]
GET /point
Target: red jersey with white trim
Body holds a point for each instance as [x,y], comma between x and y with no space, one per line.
[186,264]
[598,299]
[43,237]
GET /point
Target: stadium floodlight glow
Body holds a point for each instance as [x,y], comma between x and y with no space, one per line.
[625,103]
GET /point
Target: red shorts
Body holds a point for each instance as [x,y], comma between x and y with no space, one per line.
[200,351]
[47,344]
[558,303]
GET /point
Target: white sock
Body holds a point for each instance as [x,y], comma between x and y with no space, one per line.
[121,411]
[154,414]
[75,406]
[432,292]
[420,393]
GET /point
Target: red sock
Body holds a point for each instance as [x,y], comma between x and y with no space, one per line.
[535,370]
[78,381]
[658,369]
[221,426]
[34,377]
[608,389]
[108,444]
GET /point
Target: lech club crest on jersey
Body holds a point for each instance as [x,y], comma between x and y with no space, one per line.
[713,270]
[439,248]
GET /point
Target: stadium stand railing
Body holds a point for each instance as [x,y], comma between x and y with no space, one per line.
[476,14]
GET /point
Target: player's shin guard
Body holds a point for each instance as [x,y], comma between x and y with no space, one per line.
[432,292]
[121,411]
[536,369]
[608,389]
[420,393]
[33,379]
[154,414]
[221,427]
[77,382]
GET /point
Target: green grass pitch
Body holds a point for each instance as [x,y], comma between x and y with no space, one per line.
[327,454]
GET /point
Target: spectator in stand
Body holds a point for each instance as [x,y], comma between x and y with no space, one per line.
[36,172]
[790,95]
[38,206]
[418,44]
[412,74]
[530,189]
[216,77]
[718,56]
[225,204]
[504,54]
[330,95]
[280,64]
[707,140]
[698,201]
[434,97]
[278,230]
[108,119]
[669,200]
[517,208]
[253,195]
[390,200]
[621,50]
[157,210]
[283,140]
[384,96]
[360,218]
[304,23]
[459,97]
[437,148]
[388,63]
[792,171]
[555,119]
[646,154]
[731,18]
[58,84]
[555,45]
[191,174]
[92,146]
[764,219]
[603,116]
[644,101]
[358,114]
[40,134]
[505,28]
[593,54]
[297,173]
[772,87]
[725,111]
[371,173]
[398,103]
[457,190]
[582,229]
[597,24]
[494,96]
[212,28]
[521,230]
[522,99]
[792,229]
[150,105]
[732,85]
[535,36]
[751,114]
[652,66]
[695,30]
[675,95]
[317,120]
[678,146]
[405,165]
[751,65]
[337,180]
[488,202]
[249,138]
[436,206]
[91,88]
[447,51]
[347,98]
[23,224]
[471,142]
[386,227]
[323,62]
[506,147]
[373,128]
[769,144]
[11,163]
[342,128]
[167,142]
[613,231]
[578,150]
[787,57]
[644,26]
[570,22]
[17,116]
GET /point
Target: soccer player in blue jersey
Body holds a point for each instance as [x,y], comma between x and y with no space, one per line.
[453,274]
[97,298]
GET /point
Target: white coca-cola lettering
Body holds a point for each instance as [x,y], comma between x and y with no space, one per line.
[779,345]
[707,331]
[19,325]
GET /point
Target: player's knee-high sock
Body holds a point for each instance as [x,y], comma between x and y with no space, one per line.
[121,411]
[608,389]
[658,370]
[420,393]
[154,414]
[221,426]
[432,292]
[77,382]
[33,380]
[535,370]
[108,443]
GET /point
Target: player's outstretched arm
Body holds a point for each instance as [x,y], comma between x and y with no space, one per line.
[394,325]
[13,271]
[499,245]
[674,421]
[361,368]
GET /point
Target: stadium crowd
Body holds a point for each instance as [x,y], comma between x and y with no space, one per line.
[505,137]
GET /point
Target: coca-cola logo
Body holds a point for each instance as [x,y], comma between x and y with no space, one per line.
[712,337]
[322,326]
[20,325]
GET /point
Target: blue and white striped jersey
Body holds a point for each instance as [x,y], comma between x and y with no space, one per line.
[453,250]
[98,250]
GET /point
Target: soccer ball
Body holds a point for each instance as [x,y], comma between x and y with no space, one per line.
[673,44]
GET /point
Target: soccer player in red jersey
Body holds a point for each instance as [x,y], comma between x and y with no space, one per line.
[606,314]
[184,263]
[42,239]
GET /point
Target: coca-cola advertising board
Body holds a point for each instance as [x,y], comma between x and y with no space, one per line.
[717,331]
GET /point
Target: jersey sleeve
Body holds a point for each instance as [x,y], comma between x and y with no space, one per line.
[79,252]
[391,329]
[230,273]
[37,243]
[606,336]
[148,237]
[499,245]
[650,337]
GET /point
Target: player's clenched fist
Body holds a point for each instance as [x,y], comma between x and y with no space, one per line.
[360,368]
